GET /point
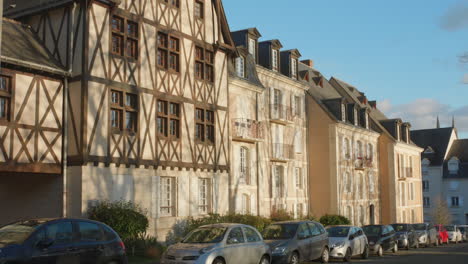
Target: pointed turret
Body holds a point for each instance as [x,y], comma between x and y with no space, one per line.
[438,122]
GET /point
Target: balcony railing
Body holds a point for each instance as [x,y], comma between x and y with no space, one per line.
[362,163]
[282,151]
[247,129]
[281,112]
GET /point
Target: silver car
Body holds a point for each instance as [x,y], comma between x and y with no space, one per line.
[347,241]
[220,244]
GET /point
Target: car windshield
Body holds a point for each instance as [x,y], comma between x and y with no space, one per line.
[338,231]
[280,231]
[205,235]
[419,226]
[18,232]
[372,230]
[450,228]
[462,229]
[400,228]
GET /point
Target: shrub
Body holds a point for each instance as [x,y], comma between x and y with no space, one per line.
[281,215]
[327,220]
[126,218]
[144,245]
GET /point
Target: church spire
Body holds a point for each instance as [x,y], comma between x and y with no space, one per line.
[438,122]
[453,121]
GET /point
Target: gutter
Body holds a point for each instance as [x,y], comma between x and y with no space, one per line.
[35,66]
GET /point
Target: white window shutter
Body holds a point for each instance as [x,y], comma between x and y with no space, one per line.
[449,201]
[461,201]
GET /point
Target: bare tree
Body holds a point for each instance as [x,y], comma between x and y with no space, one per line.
[440,213]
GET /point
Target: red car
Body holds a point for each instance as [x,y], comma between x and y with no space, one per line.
[442,234]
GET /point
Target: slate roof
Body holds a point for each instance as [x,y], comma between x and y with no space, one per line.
[319,93]
[24,7]
[437,138]
[251,75]
[21,48]
[459,149]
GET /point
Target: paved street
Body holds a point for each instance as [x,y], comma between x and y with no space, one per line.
[447,254]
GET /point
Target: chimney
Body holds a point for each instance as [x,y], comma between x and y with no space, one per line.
[373,104]
[363,99]
[309,63]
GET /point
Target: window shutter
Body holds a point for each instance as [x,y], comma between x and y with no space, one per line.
[449,201]
[461,201]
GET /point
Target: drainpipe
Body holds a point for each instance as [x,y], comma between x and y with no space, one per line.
[66,212]
[257,149]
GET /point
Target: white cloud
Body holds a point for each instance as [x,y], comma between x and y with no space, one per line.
[456,17]
[465,78]
[422,113]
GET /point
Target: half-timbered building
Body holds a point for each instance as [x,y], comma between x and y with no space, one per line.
[148,113]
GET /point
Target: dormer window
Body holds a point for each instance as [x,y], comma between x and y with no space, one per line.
[355,117]
[367,120]
[407,131]
[398,130]
[274,60]
[253,47]
[453,165]
[240,66]
[294,68]
[343,112]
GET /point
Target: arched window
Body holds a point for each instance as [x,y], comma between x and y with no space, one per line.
[346,149]
[359,150]
[453,165]
[245,204]
[370,151]
[244,165]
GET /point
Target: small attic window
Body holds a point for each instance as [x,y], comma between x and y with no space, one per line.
[355,117]
[253,48]
[274,59]
[294,68]
[453,165]
[343,112]
[428,150]
[240,67]
[367,120]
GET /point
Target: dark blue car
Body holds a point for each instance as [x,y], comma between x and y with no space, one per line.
[71,241]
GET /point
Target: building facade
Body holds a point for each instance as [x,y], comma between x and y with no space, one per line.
[444,172]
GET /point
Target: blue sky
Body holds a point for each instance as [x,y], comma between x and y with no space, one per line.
[402,53]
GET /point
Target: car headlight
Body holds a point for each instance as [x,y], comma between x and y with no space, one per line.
[338,245]
[371,243]
[279,251]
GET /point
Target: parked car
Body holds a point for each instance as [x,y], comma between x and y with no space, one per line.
[381,238]
[219,244]
[427,234]
[442,234]
[347,241]
[406,236]
[42,241]
[454,234]
[464,231]
[297,241]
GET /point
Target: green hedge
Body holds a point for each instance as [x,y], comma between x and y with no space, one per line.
[328,220]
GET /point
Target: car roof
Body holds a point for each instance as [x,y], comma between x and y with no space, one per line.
[342,226]
[294,222]
[224,225]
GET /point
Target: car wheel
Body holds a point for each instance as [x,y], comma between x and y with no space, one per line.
[218,261]
[379,251]
[294,258]
[395,248]
[265,260]
[348,255]
[325,256]
[365,253]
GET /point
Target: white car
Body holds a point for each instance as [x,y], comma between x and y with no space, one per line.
[454,234]
[347,241]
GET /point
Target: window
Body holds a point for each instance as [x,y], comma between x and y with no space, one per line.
[168,53]
[251,235]
[5,97]
[274,60]
[240,67]
[204,60]
[367,120]
[371,182]
[304,232]
[244,165]
[348,182]
[60,233]
[204,127]
[411,186]
[245,204]
[90,232]
[199,9]
[278,173]
[235,236]
[297,105]
[455,201]
[425,186]
[298,142]
[124,37]
[427,201]
[204,188]
[453,185]
[370,151]
[167,200]
[359,151]
[362,215]
[174,3]
[343,112]
[123,113]
[346,149]
[299,178]
[453,165]
[276,98]
[356,121]
[294,68]
[252,47]
[168,120]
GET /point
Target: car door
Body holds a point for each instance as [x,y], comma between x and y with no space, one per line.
[304,241]
[254,245]
[235,247]
[363,239]
[392,237]
[353,241]
[318,241]
[55,244]
[90,242]
[385,237]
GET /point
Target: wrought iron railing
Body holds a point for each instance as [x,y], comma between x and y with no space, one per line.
[281,112]
[247,129]
[282,151]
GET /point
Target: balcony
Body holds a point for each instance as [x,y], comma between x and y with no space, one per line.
[362,163]
[281,114]
[282,152]
[247,130]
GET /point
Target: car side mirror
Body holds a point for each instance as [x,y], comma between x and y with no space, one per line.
[43,244]
[351,237]
[233,241]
